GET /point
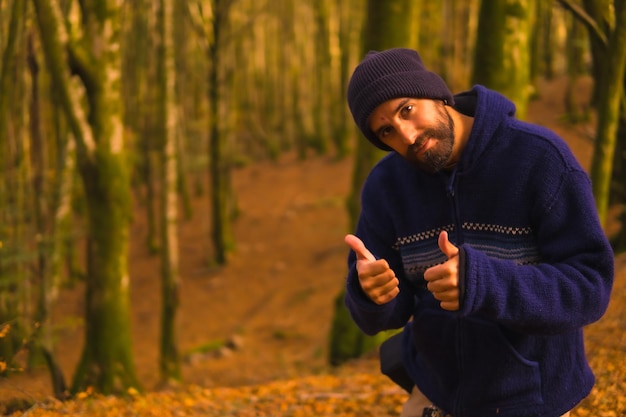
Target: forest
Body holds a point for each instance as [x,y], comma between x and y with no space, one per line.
[172,167]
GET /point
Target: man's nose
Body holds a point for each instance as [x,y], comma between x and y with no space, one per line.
[408,133]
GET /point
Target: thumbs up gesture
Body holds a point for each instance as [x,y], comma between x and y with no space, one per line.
[377,279]
[443,279]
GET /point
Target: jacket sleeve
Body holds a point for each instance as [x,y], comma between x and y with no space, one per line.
[568,289]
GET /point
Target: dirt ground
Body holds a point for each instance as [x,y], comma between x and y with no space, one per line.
[274,300]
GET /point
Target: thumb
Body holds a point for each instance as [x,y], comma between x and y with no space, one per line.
[357,245]
[446,246]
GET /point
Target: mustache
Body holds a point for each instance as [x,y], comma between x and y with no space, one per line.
[419,142]
[438,134]
[423,138]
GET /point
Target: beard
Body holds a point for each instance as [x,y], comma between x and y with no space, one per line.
[437,157]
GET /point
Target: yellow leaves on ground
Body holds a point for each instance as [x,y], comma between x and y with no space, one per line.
[360,395]
[352,393]
[606,350]
[347,394]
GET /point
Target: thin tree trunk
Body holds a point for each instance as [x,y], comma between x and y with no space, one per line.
[542,50]
[320,141]
[60,229]
[222,237]
[169,361]
[336,104]
[41,340]
[575,45]
[184,88]
[139,105]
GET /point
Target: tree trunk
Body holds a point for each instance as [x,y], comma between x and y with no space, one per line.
[600,13]
[321,140]
[576,46]
[41,340]
[106,362]
[169,361]
[50,289]
[12,279]
[140,101]
[221,192]
[351,23]
[541,60]
[610,94]
[428,34]
[388,24]
[502,57]
[459,38]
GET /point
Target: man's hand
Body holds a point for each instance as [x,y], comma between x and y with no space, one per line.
[377,280]
[443,279]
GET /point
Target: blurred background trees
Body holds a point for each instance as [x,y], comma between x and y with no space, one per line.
[110,104]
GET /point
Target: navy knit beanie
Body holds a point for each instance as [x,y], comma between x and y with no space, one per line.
[394,73]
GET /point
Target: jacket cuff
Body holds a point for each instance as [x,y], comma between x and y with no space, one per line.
[462,279]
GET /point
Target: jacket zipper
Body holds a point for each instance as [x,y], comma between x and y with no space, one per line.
[455,213]
[457,403]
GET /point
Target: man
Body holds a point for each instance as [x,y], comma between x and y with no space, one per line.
[479,234]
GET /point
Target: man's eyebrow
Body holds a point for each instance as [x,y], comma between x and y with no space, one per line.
[401,104]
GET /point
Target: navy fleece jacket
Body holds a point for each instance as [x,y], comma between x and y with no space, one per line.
[535,267]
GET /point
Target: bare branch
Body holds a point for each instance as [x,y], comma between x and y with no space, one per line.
[587,20]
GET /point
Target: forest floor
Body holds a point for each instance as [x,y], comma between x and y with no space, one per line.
[273,304]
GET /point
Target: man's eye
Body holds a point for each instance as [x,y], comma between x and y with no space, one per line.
[384,132]
[407,109]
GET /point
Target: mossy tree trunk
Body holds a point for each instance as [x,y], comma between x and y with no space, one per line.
[503,57]
[575,56]
[610,95]
[599,23]
[10,276]
[387,24]
[106,363]
[606,24]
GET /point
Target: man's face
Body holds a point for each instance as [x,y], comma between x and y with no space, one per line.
[421,130]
